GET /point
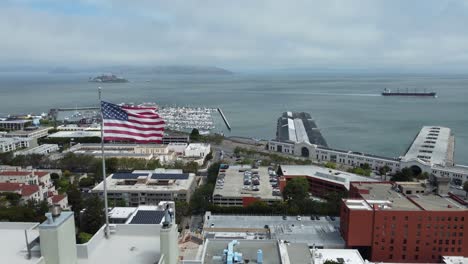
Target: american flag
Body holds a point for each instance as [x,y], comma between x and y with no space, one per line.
[130,123]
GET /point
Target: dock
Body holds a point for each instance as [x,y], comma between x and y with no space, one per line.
[224,119]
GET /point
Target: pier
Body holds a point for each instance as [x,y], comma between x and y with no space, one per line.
[224,119]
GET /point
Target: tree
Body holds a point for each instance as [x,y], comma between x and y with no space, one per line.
[12,198]
[383,171]
[465,188]
[201,198]
[93,216]
[406,174]
[195,135]
[296,190]
[212,172]
[75,200]
[86,182]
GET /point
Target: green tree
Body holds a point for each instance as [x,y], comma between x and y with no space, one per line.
[75,200]
[182,210]
[93,216]
[296,190]
[465,188]
[330,165]
[406,174]
[329,261]
[12,198]
[212,172]
[195,135]
[201,198]
[86,182]
[383,171]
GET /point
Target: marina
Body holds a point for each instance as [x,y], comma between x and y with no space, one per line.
[188,118]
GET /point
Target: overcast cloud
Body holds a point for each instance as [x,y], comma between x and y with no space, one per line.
[362,34]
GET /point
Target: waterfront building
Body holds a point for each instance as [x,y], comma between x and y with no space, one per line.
[149,187]
[18,124]
[322,181]
[241,185]
[297,127]
[432,151]
[404,222]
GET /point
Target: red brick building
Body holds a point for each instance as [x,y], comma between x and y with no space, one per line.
[401,222]
[322,181]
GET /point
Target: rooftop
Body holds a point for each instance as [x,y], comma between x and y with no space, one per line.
[336,176]
[348,256]
[18,121]
[433,144]
[13,242]
[214,251]
[323,232]
[387,196]
[298,127]
[231,183]
[127,244]
[75,134]
[140,180]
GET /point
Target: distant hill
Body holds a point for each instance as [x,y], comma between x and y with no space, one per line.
[171,69]
[189,70]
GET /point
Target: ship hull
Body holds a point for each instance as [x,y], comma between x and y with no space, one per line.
[410,94]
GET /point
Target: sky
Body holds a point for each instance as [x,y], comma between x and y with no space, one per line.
[417,35]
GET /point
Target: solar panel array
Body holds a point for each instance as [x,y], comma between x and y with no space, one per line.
[127,175]
[147,217]
[170,176]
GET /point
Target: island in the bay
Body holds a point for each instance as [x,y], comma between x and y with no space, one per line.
[108,79]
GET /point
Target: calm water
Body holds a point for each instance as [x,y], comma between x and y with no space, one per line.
[349,110]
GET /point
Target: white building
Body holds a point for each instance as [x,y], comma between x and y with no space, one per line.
[75,134]
[149,187]
[12,144]
[53,242]
[27,192]
[32,133]
[40,150]
[432,151]
[40,179]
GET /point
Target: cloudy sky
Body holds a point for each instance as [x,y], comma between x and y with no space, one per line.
[263,34]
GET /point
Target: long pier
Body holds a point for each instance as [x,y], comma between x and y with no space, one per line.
[77,108]
[224,119]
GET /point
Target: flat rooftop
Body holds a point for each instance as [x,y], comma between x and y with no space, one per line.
[336,176]
[75,134]
[433,144]
[234,187]
[385,196]
[323,232]
[13,242]
[349,256]
[147,181]
[214,251]
[128,244]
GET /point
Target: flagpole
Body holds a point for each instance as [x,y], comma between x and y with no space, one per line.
[104,176]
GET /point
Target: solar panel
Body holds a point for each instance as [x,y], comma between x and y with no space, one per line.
[127,175]
[170,176]
[147,217]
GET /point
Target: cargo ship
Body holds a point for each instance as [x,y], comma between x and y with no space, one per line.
[388,92]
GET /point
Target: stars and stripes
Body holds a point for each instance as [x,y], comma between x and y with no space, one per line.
[130,123]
